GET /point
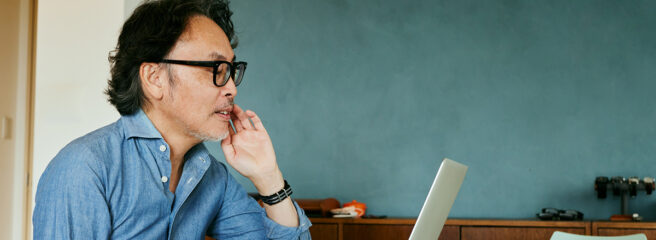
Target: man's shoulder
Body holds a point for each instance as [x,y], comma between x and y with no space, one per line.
[91,148]
[100,140]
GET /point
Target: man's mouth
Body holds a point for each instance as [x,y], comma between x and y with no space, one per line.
[224,113]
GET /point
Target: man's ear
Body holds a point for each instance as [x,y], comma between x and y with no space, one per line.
[151,81]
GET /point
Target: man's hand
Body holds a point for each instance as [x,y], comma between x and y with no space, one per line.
[250,152]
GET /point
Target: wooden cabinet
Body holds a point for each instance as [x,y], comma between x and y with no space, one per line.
[376,231]
[347,229]
[516,229]
[324,231]
[512,233]
[624,228]
[382,229]
[471,229]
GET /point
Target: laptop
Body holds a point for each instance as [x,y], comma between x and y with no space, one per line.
[439,201]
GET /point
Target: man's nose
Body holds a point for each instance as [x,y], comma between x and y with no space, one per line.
[229,89]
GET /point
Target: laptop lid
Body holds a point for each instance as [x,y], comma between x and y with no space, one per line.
[439,201]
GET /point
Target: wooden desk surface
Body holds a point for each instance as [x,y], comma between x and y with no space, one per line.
[454,229]
[457,222]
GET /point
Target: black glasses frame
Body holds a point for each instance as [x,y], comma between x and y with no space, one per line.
[234,66]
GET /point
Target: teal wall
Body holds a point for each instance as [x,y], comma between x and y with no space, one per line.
[364,98]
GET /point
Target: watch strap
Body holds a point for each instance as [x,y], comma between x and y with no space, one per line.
[285,192]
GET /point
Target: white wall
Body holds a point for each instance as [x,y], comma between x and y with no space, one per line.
[14,78]
[74,38]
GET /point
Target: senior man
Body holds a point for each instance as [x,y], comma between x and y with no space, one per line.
[174,77]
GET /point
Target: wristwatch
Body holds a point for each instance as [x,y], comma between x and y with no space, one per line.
[285,192]
[601,184]
[633,186]
[617,183]
[649,184]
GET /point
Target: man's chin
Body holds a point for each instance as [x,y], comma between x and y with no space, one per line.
[210,137]
[219,137]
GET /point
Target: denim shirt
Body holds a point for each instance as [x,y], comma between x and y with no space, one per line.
[113,184]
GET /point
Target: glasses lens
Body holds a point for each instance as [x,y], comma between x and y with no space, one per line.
[222,74]
[239,73]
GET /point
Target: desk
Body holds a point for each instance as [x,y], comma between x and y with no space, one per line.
[454,229]
[471,229]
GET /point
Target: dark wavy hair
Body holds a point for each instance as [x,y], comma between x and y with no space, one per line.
[148,35]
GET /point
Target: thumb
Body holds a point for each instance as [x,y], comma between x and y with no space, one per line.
[228,149]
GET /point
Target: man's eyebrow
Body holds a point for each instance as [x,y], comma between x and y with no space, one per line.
[218,56]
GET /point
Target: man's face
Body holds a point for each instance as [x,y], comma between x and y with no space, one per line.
[193,102]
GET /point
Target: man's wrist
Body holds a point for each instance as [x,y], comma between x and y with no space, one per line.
[269,183]
[277,197]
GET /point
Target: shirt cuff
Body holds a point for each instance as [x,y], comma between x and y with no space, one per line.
[277,231]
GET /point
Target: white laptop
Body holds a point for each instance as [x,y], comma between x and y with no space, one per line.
[439,201]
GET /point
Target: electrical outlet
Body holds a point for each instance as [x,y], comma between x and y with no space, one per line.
[6,128]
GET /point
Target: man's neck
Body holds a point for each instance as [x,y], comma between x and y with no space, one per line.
[179,142]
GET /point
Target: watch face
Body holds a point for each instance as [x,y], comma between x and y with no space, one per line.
[618,179]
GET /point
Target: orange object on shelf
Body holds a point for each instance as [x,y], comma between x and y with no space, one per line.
[360,208]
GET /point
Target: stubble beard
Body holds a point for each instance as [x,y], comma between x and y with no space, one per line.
[205,136]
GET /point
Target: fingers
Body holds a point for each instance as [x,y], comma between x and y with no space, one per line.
[241,115]
[236,122]
[231,131]
[242,119]
[257,123]
[226,144]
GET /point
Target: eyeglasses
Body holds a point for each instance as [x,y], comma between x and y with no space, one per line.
[222,70]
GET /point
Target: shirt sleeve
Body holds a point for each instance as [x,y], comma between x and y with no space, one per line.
[277,231]
[241,217]
[70,202]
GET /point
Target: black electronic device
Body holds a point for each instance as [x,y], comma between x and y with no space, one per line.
[559,215]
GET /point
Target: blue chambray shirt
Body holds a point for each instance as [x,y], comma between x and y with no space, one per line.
[113,184]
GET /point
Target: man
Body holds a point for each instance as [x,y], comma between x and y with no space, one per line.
[148,175]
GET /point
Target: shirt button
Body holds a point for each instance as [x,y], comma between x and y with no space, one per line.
[165,179]
[203,159]
[162,148]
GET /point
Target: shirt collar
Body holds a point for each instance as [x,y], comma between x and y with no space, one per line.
[139,125]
